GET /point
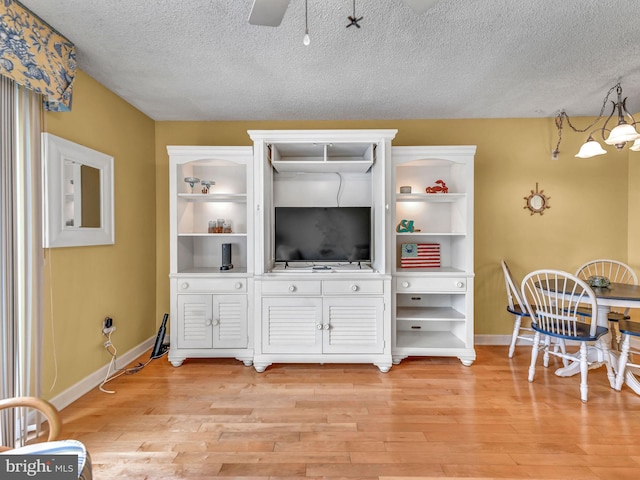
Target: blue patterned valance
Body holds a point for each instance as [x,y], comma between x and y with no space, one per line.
[34,55]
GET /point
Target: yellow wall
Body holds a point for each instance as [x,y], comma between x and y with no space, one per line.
[592,202]
[85,284]
[512,155]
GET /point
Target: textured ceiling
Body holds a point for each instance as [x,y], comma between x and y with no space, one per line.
[202,60]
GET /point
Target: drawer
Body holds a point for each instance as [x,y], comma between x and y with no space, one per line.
[433,284]
[212,285]
[343,287]
[292,287]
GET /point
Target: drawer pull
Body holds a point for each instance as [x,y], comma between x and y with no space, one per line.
[415,327]
[459,284]
[238,285]
[405,284]
[185,285]
[292,288]
[355,287]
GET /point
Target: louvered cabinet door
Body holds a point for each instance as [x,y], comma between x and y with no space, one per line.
[230,321]
[292,325]
[195,321]
[353,325]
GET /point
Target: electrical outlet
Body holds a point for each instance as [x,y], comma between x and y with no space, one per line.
[108,326]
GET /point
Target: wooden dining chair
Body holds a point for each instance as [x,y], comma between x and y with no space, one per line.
[52,445]
[521,319]
[616,272]
[515,306]
[626,365]
[554,298]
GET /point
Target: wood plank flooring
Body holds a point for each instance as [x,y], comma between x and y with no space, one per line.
[425,418]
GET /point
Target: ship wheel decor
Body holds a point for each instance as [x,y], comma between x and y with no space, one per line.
[537,202]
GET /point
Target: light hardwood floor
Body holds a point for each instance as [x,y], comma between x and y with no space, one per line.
[427,417]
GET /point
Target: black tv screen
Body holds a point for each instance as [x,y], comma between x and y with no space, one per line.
[323,234]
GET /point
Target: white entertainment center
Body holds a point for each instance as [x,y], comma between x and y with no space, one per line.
[318,233]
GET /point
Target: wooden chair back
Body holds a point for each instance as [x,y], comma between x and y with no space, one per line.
[615,271]
[555,299]
[47,409]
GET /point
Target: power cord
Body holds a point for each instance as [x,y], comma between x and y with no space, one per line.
[125,371]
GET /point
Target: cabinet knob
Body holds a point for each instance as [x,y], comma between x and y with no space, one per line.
[327,326]
[459,284]
[216,321]
[292,288]
[405,284]
[355,287]
[185,285]
[238,285]
[319,326]
[208,322]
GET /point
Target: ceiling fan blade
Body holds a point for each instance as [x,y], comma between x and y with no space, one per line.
[268,12]
[420,6]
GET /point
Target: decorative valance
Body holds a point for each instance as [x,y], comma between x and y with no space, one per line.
[33,54]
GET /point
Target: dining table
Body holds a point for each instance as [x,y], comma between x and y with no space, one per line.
[616,295]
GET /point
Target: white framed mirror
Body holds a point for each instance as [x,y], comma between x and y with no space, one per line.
[77,194]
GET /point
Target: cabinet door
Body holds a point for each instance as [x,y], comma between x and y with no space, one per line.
[195,321]
[353,325]
[291,325]
[230,321]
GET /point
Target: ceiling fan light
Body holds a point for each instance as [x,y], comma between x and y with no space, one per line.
[590,148]
[636,146]
[621,134]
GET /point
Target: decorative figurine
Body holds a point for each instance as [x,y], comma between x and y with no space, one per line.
[439,187]
[191,181]
[206,185]
[406,226]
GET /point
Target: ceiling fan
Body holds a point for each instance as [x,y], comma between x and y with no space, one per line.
[270,12]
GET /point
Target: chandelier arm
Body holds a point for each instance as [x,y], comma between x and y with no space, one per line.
[606,122]
[600,115]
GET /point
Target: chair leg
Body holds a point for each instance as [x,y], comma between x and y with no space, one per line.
[547,346]
[514,336]
[606,356]
[615,335]
[584,369]
[534,356]
[563,348]
[622,363]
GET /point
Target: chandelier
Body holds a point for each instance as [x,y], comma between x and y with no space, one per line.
[619,135]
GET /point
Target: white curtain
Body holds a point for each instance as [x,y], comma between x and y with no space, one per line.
[21,254]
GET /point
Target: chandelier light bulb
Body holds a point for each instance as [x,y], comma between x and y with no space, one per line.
[306,40]
[590,148]
[621,134]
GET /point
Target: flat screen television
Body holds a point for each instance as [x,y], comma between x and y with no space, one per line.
[323,234]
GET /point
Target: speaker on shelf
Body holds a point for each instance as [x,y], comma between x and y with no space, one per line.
[226,257]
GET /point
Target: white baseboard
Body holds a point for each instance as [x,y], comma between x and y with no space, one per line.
[88,383]
[492,339]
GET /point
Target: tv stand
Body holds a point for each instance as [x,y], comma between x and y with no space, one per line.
[322,311]
[379,311]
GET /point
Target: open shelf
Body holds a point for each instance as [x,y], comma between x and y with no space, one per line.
[429,197]
[428,313]
[214,197]
[440,341]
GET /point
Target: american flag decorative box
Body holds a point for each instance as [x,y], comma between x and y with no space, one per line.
[420,255]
